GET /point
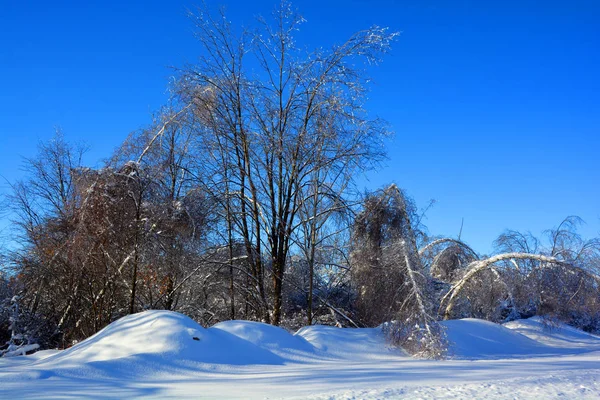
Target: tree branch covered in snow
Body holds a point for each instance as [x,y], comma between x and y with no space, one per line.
[21,341]
[386,252]
[478,266]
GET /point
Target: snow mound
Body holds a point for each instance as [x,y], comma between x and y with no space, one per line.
[163,338]
[477,339]
[161,354]
[163,341]
[272,338]
[557,335]
[349,343]
[153,342]
[313,342]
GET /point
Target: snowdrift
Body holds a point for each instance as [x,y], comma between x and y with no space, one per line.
[170,339]
[165,336]
[475,339]
[161,341]
[166,342]
[556,335]
[316,341]
[164,354]
[349,343]
[270,338]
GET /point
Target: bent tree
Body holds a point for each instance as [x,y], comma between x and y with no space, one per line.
[393,282]
[554,277]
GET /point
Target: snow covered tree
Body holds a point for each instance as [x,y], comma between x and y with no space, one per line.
[393,284]
[43,206]
[446,258]
[176,207]
[21,341]
[98,244]
[268,133]
[561,279]
[5,295]
[324,223]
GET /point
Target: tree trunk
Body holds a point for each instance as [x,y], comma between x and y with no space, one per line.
[278,266]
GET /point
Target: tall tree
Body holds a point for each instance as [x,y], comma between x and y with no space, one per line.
[277,116]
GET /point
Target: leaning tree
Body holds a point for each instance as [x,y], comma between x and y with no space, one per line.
[393,283]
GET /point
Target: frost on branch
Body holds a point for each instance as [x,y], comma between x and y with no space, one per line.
[393,282]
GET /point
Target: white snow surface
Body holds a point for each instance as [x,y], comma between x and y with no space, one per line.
[161,354]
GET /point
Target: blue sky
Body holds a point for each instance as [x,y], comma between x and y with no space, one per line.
[495,105]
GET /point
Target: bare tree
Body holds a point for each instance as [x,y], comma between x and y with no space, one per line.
[43,208]
[272,130]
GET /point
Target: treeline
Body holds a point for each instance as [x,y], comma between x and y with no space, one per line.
[240,202]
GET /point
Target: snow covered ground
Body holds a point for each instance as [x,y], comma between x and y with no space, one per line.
[162,354]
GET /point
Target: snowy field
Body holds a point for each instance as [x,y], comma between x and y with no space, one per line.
[162,354]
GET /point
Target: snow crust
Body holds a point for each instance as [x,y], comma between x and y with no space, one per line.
[163,354]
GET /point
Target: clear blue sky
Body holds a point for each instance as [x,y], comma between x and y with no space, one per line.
[495,105]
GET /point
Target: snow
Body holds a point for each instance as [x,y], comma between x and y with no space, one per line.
[559,336]
[476,339]
[350,344]
[15,351]
[161,354]
[162,338]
